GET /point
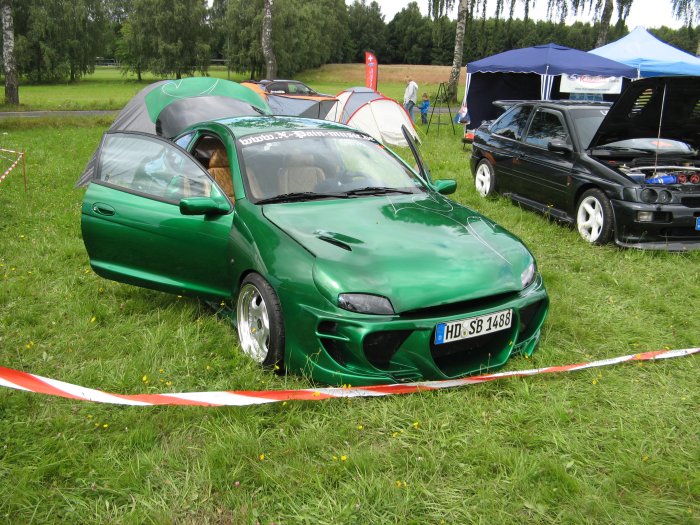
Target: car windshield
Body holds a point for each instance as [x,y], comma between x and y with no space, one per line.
[587,122]
[280,166]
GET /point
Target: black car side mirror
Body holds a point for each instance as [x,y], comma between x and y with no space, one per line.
[559,146]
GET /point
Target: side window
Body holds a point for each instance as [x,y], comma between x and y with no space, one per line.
[185,140]
[152,167]
[512,122]
[278,88]
[547,126]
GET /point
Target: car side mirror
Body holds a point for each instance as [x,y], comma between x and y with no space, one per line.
[445,186]
[559,146]
[203,206]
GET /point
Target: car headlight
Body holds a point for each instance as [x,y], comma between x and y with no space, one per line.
[528,275]
[365,303]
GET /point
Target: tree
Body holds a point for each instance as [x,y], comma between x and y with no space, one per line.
[409,37]
[58,40]
[439,8]
[462,13]
[268,52]
[8,54]
[688,10]
[602,8]
[367,29]
[181,35]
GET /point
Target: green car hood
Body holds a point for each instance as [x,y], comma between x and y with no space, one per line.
[417,250]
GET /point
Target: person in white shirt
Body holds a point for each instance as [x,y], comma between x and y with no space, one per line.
[410,96]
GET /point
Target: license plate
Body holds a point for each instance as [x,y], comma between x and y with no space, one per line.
[473,327]
[697,223]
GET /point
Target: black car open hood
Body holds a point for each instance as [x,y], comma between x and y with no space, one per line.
[638,113]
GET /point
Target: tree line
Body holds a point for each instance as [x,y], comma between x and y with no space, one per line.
[59,40]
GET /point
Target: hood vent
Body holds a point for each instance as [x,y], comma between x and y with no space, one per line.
[337,239]
[335,242]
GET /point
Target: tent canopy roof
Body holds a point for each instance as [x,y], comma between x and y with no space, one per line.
[551,59]
[652,57]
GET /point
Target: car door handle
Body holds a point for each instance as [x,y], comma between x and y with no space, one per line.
[102,209]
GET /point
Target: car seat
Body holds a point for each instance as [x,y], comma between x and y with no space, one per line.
[220,170]
[300,174]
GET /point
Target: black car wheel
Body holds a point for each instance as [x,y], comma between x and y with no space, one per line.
[594,217]
[485,178]
[259,322]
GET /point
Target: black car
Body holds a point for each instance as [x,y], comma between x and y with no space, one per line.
[289,87]
[628,172]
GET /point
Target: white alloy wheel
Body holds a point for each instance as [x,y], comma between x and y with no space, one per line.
[484,179]
[253,323]
[594,217]
[590,219]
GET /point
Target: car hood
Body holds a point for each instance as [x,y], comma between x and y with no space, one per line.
[665,107]
[417,250]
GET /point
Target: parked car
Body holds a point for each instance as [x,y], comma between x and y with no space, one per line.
[288,87]
[628,172]
[340,260]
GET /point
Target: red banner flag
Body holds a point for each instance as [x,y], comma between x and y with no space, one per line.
[371,70]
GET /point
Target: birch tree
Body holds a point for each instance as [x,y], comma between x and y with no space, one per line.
[268,52]
[8,54]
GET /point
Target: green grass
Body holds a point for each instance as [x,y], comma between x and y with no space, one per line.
[614,445]
[109,89]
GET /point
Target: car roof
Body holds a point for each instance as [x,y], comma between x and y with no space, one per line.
[559,104]
[241,126]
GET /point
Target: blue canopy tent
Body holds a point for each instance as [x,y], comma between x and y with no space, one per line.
[530,73]
[650,56]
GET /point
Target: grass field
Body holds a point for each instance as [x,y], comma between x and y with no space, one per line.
[615,445]
[108,88]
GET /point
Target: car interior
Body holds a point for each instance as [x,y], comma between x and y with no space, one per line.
[211,153]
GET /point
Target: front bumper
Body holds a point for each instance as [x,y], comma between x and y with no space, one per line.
[674,231]
[348,348]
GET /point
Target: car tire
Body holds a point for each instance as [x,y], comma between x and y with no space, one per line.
[260,323]
[594,217]
[485,178]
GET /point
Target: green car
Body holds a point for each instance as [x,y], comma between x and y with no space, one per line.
[342,261]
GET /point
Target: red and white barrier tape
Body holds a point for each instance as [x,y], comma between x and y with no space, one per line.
[41,385]
[8,170]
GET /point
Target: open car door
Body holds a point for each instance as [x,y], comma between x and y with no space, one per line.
[423,169]
[152,216]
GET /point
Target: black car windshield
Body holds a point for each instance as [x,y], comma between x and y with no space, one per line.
[283,166]
[587,122]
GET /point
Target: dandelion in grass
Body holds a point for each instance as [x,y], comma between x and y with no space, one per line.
[416,425]
[261,457]
[400,484]
[145,379]
[343,458]
[360,427]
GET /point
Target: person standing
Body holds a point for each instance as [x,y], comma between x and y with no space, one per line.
[410,96]
[424,107]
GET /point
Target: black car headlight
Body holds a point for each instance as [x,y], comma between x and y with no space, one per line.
[528,275]
[365,303]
